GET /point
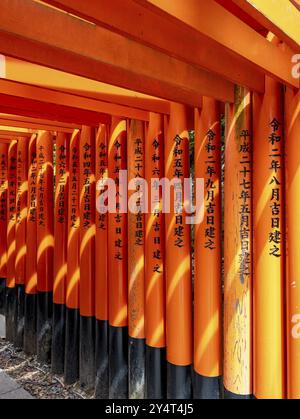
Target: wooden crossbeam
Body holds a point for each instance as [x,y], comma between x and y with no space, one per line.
[34,32]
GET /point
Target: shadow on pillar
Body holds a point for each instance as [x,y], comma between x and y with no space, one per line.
[71,371]
[44,326]
[101,360]
[58,339]
[30,324]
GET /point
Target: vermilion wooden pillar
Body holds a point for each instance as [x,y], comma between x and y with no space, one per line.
[101,269]
[292,135]
[136,260]
[178,263]
[45,244]
[87,257]
[30,326]
[60,251]
[238,248]
[117,268]
[3,223]
[155,294]
[269,239]
[11,242]
[21,231]
[207,285]
[73,270]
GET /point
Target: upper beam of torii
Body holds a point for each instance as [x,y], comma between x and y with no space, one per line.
[203,33]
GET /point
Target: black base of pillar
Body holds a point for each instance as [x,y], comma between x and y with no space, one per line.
[20,316]
[156,373]
[30,335]
[101,360]
[232,396]
[118,362]
[58,339]
[10,314]
[179,382]
[87,371]
[208,388]
[72,346]
[44,326]
[136,368]
[2,295]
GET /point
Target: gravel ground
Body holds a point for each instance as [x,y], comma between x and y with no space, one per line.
[34,377]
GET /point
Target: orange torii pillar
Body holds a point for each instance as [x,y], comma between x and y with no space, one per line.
[155,295]
[269,237]
[292,135]
[71,374]
[30,335]
[21,248]
[136,259]
[45,244]
[60,252]
[117,265]
[3,223]
[207,286]
[87,257]
[101,271]
[238,248]
[11,242]
[178,261]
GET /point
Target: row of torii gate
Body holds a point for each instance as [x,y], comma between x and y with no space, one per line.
[144,306]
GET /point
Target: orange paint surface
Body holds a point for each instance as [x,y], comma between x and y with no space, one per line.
[11,214]
[136,231]
[87,221]
[292,132]
[101,268]
[21,210]
[3,209]
[73,271]
[268,267]
[31,236]
[155,311]
[45,192]
[117,230]
[207,286]
[178,251]
[61,218]
[238,246]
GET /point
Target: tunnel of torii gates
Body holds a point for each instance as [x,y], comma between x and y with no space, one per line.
[146,305]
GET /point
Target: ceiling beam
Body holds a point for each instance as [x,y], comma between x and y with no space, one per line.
[35,124]
[213,21]
[34,32]
[136,22]
[58,106]
[279,17]
[25,72]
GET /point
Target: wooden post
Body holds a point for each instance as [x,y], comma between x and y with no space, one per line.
[292,135]
[268,194]
[11,242]
[21,231]
[87,257]
[238,248]
[30,326]
[117,268]
[155,287]
[45,244]
[178,262]
[136,260]
[101,270]
[207,285]
[3,223]
[60,252]
[73,270]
